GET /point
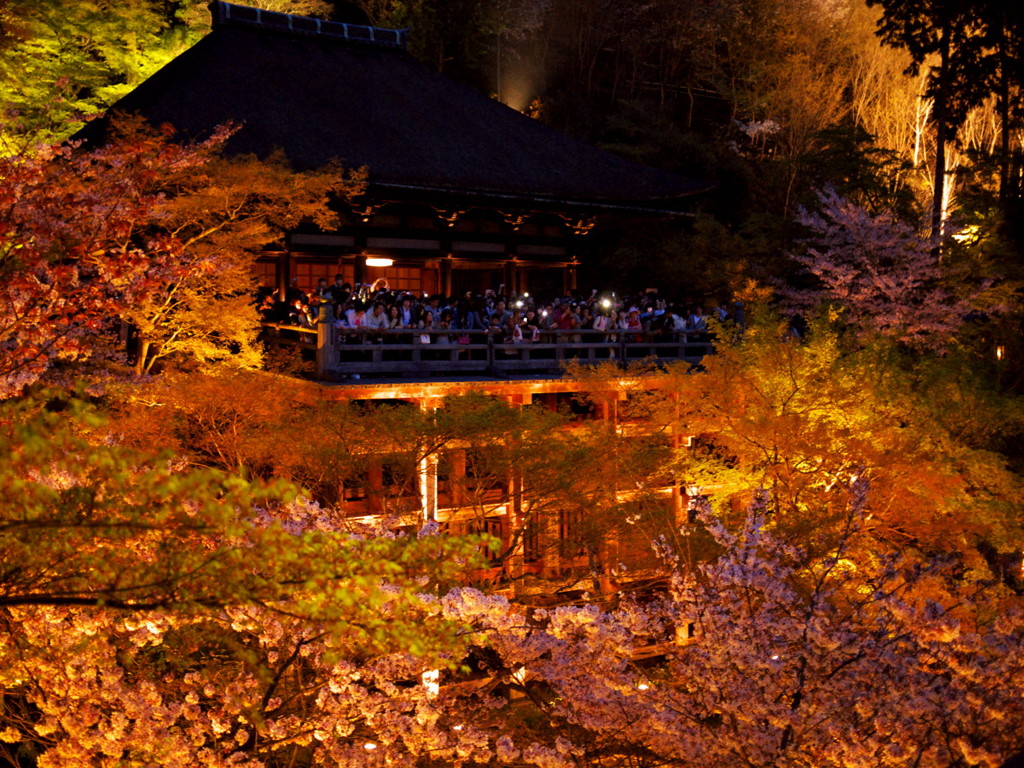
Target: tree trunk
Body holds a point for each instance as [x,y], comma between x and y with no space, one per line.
[141,356]
[1004,117]
[941,129]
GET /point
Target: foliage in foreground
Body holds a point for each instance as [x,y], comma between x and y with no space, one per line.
[149,616]
[154,617]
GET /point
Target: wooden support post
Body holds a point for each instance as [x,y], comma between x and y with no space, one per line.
[550,544]
[326,352]
[515,560]
[510,276]
[359,269]
[375,481]
[284,274]
[446,275]
[427,471]
[679,500]
[457,478]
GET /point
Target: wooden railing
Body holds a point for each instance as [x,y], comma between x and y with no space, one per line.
[405,353]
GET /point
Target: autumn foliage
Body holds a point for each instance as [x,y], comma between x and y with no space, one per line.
[159,234]
[73,246]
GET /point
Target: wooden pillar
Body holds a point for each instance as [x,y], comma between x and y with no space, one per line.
[326,352]
[605,404]
[457,482]
[375,491]
[427,473]
[284,274]
[569,278]
[360,268]
[515,560]
[446,275]
[549,542]
[510,276]
[516,514]
[680,499]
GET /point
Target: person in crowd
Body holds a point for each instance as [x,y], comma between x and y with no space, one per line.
[433,303]
[355,314]
[633,323]
[587,318]
[663,326]
[425,325]
[697,321]
[394,318]
[375,320]
[295,293]
[564,319]
[408,312]
[494,328]
[301,314]
[614,323]
[502,313]
[271,310]
[340,290]
[531,325]
[322,292]
[444,323]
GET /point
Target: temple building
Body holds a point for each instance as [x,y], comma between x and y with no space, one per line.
[463,192]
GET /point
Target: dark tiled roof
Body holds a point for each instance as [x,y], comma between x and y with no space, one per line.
[320,96]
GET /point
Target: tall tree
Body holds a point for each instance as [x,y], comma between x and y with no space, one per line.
[952,32]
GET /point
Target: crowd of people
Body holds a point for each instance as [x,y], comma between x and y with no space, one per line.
[515,318]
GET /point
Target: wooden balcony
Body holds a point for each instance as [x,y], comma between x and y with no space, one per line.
[418,354]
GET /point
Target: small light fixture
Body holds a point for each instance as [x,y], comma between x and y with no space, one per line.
[379,261]
[369,746]
[1000,352]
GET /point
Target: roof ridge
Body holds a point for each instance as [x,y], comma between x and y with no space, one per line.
[232,14]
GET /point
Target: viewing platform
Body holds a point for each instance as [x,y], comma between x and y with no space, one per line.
[348,354]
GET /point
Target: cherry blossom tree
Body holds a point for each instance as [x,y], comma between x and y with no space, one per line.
[833,662]
[882,274]
[149,616]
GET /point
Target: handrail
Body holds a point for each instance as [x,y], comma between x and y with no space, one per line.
[403,352]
